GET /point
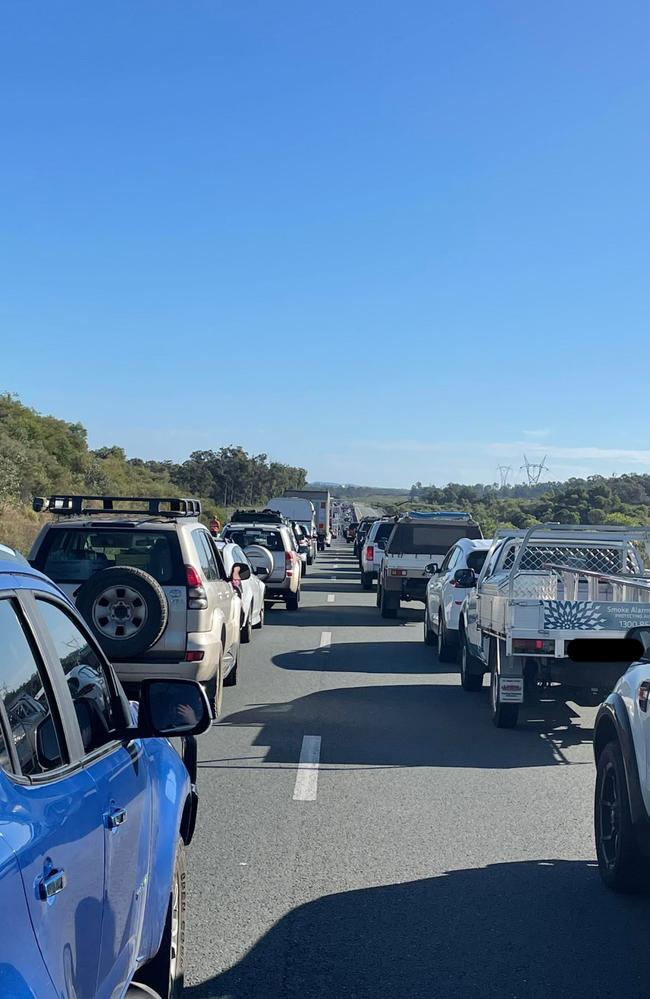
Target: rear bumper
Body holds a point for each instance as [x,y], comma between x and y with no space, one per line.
[201,641]
[414,588]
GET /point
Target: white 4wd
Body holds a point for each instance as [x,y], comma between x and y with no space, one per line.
[372,551]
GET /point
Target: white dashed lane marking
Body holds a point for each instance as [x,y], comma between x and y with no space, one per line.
[306,787]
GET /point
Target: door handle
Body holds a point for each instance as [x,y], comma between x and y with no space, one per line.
[116,818]
[50,885]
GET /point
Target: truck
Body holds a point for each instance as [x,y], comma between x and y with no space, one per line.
[322,500]
[418,543]
[299,511]
[541,591]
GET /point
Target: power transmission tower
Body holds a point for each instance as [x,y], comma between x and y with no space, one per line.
[504,471]
[534,471]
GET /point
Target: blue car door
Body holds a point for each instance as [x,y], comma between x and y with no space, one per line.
[119,773]
[50,818]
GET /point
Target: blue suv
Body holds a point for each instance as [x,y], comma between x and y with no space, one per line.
[96,808]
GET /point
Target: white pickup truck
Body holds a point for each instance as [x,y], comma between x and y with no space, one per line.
[414,550]
[538,591]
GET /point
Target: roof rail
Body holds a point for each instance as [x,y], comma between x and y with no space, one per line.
[258,517]
[151,506]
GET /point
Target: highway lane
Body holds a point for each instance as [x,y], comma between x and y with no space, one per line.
[427,854]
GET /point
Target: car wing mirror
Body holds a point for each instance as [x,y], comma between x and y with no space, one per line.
[244,570]
[465,578]
[431,569]
[172,708]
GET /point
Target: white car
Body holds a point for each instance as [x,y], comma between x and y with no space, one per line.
[446,592]
[252,590]
[372,551]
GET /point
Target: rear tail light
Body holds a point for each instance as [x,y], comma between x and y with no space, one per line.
[370,553]
[398,572]
[197,598]
[288,563]
[193,578]
[194,656]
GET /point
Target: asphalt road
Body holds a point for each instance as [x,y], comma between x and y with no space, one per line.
[441,857]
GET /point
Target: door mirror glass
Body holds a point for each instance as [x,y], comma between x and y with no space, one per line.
[465,578]
[48,753]
[173,707]
[641,635]
[432,569]
[244,570]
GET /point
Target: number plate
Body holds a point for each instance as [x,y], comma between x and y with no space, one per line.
[511,689]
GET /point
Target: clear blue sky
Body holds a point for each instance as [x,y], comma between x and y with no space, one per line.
[388,241]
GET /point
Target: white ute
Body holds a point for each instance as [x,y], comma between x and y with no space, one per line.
[538,591]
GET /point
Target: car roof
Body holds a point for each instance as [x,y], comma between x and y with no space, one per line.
[16,573]
[265,526]
[474,544]
[168,523]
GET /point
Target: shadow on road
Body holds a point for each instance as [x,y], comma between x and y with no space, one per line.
[527,930]
[341,616]
[407,725]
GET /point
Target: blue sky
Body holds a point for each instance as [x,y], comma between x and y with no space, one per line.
[387,241]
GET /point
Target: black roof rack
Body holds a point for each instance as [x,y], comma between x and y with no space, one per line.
[257,517]
[151,506]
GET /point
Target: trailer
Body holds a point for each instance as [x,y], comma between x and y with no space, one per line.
[538,591]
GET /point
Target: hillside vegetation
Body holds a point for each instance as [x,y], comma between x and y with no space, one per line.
[41,455]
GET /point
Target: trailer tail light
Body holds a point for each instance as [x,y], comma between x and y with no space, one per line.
[398,572]
[194,655]
[197,598]
[370,553]
[533,646]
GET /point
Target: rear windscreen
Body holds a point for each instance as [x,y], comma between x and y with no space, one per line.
[74,555]
[429,539]
[256,536]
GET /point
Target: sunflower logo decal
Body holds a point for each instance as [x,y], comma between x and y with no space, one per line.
[573,615]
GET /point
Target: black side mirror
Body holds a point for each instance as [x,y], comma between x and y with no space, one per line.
[244,570]
[432,569]
[48,753]
[465,578]
[172,707]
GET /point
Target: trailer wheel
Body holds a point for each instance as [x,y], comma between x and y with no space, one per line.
[503,715]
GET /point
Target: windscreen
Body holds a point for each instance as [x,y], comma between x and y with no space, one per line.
[428,539]
[75,554]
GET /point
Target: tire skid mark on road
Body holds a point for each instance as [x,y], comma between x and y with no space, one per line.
[306,786]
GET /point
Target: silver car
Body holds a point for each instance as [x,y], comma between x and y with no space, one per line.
[283,582]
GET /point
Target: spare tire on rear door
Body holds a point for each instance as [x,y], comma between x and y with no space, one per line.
[125,608]
[260,557]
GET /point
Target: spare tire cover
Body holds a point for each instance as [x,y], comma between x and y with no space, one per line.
[125,608]
[258,556]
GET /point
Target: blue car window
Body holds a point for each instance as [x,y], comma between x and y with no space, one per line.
[85,676]
[25,700]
